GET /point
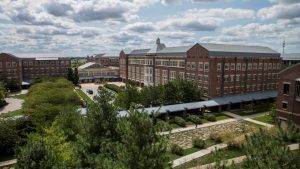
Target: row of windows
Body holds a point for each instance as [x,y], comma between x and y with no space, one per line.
[170,63]
[201,66]
[238,77]
[46,62]
[249,66]
[9,64]
[141,61]
[248,88]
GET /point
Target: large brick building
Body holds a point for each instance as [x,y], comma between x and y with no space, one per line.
[219,69]
[27,69]
[288,98]
[104,59]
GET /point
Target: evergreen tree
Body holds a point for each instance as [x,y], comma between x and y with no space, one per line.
[70,76]
[75,77]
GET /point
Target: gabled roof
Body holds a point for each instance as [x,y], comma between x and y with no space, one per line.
[90,65]
[178,49]
[139,52]
[238,50]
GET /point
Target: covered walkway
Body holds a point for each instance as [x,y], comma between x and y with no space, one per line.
[216,102]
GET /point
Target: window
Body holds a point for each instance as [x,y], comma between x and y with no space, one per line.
[218,78]
[226,66]
[243,66]
[249,66]
[298,90]
[232,66]
[219,67]
[193,65]
[206,68]
[254,66]
[181,75]
[284,105]
[200,67]
[237,78]
[260,66]
[238,66]
[286,88]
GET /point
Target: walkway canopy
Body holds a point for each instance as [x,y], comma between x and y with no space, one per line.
[219,101]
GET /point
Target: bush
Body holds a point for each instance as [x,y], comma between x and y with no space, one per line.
[237,142]
[176,149]
[180,121]
[164,126]
[199,143]
[216,137]
[195,119]
[8,137]
[210,117]
[113,87]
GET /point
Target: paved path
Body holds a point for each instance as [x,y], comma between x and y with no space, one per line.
[236,160]
[7,163]
[13,104]
[197,154]
[248,118]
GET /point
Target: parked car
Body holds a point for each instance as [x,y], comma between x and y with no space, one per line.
[89,91]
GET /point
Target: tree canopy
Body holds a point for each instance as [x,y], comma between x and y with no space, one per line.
[174,92]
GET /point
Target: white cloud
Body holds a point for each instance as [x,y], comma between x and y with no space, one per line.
[280,11]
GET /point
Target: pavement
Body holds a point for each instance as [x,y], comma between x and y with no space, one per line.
[13,104]
[237,160]
[248,118]
[90,86]
[24,91]
[198,154]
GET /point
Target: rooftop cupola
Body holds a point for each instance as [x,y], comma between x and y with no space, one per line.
[157,41]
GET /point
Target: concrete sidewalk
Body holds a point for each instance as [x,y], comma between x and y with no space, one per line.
[13,105]
[248,118]
[197,154]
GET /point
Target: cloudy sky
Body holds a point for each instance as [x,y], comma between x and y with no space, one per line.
[82,27]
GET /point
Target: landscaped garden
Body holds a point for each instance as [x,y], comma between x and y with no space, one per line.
[265,119]
[252,108]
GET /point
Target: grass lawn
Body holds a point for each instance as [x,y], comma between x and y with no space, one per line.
[265,119]
[222,117]
[84,96]
[12,113]
[252,124]
[210,158]
[20,96]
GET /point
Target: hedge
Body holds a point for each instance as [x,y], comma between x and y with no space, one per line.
[113,87]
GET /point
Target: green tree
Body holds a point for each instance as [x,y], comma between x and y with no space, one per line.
[75,77]
[48,150]
[263,151]
[9,137]
[130,96]
[3,94]
[142,147]
[70,76]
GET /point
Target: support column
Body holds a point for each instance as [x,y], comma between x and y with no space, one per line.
[229,107]
[219,109]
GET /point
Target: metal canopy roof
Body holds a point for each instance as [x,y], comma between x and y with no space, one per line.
[210,103]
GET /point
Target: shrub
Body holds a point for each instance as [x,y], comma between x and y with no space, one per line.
[199,143]
[195,119]
[113,87]
[216,137]
[180,121]
[237,142]
[176,149]
[164,126]
[210,117]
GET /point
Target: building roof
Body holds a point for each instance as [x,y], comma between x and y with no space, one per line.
[290,56]
[219,101]
[90,65]
[238,50]
[110,55]
[139,52]
[223,50]
[289,68]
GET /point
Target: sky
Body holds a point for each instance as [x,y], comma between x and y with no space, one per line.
[85,27]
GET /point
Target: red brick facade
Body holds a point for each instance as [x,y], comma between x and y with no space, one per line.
[218,75]
[288,99]
[26,69]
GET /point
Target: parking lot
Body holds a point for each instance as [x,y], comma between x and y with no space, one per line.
[94,87]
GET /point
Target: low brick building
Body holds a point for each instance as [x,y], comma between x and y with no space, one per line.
[288,99]
[105,59]
[27,69]
[94,72]
[220,69]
